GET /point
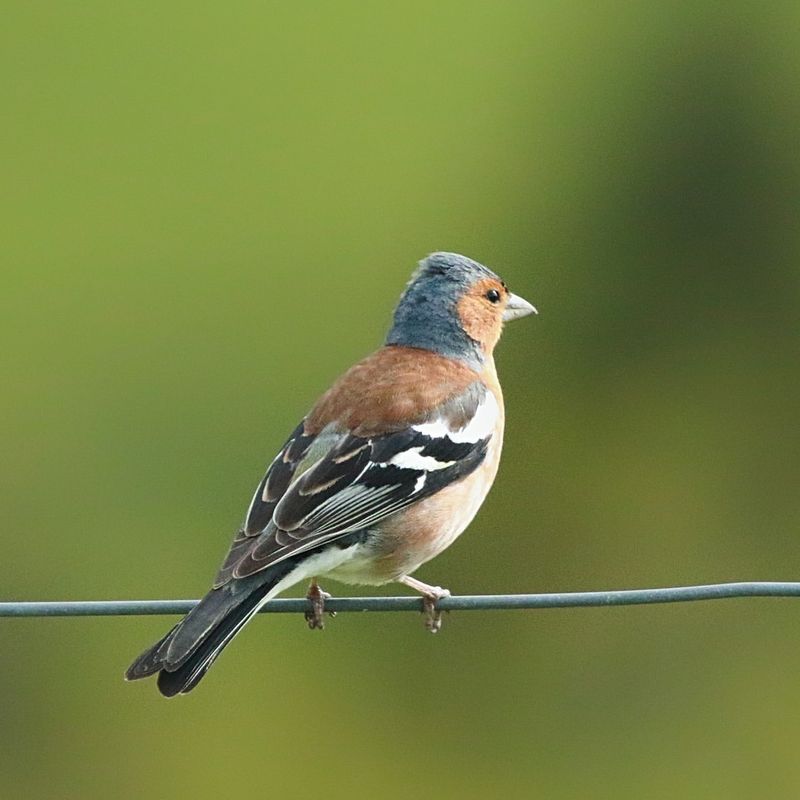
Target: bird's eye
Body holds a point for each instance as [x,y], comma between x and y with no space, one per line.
[493,296]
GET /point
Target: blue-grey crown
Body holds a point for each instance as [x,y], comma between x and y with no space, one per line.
[426,315]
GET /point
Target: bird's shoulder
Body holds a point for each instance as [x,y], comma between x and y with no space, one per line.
[390,389]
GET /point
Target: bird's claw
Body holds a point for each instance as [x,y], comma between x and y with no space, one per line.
[315,616]
[433,616]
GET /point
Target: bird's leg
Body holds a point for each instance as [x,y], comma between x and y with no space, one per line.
[430,596]
[317,596]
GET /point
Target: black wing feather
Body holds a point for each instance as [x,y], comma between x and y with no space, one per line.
[269,492]
[277,480]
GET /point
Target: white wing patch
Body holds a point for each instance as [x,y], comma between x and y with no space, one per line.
[413,459]
[481,426]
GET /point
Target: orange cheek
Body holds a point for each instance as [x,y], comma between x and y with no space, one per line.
[481,322]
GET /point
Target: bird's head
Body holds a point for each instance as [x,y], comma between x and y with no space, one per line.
[456,307]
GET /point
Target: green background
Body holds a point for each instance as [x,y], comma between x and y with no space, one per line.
[209,211]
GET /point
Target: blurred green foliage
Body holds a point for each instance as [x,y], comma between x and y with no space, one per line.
[209,211]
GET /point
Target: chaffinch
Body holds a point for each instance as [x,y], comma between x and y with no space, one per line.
[388,468]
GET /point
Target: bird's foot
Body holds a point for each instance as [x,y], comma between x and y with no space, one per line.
[315,616]
[430,597]
[433,617]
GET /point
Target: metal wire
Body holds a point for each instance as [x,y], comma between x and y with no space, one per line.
[486,602]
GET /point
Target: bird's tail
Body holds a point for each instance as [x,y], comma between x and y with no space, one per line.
[183,656]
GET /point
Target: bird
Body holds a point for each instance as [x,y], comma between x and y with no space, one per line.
[386,470]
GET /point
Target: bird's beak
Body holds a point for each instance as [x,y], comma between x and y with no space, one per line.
[516,307]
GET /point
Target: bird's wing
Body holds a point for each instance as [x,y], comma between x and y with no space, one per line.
[291,459]
[321,488]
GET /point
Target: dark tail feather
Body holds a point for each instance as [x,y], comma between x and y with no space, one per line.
[184,655]
[189,673]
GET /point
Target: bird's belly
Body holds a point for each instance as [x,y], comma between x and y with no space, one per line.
[400,544]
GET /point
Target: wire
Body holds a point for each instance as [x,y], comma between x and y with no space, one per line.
[487,602]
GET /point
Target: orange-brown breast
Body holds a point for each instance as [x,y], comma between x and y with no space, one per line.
[392,388]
